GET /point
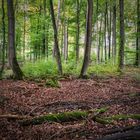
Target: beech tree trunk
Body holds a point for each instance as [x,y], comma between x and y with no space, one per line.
[99,43]
[121,49]
[138,35]
[44,29]
[78,30]
[58,58]
[11,42]
[88,38]
[114,32]
[3,42]
[57,24]
[65,40]
[105,32]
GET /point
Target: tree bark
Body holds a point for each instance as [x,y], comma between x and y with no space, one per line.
[88,38]
[121,49]
[138,35]
[57,23]
[78,30]
[58,58]
[105,32]
[11,42]
[3,42]
[65,40]
[99,44]
[44,29]
[114,32]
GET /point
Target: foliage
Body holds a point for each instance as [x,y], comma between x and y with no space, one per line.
[52,83]
[40,69]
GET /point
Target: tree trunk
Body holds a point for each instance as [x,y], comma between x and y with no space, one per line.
[99,44]
[58,58]
[11,41]
[65,40]
[138,35]
[78,30]
[109,33]
[105,28]
[44,29]
[24,28]
[121,49]
[57,24]
[114,33]
[3,42]
[88,38]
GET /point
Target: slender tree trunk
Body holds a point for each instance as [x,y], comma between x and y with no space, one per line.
[105,32]
[3,42]
[62,39]
[24,30]
[78,30]
[57,23]
[88,38]
[121,49]
[109,34]
[11,41]
[47,40]
[44,29]
[98,34]
[99,44]
[114,33]
[138,35]
[58,58]
[65,40]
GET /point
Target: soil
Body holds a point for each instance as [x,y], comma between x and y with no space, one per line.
[120,94]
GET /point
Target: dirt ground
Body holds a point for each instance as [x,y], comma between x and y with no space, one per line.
[121,95]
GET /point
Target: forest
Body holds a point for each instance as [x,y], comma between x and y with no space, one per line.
[70,69]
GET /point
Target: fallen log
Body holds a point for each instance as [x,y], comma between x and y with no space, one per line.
[63,117]
[17,117]
[71,116]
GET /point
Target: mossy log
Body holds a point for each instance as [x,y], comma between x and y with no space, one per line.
[63,117]
[71,116]
[121,117]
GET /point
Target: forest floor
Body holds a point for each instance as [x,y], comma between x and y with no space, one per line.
[120,94]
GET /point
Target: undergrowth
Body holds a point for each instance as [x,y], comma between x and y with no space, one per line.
[45,69]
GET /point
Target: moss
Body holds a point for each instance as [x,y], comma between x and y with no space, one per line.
[52,83]
[122,117]
[62,117]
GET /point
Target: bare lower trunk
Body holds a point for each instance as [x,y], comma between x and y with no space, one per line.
[88,38]
[114,33]
[78,30]
[3,42]
[121,49]
[11,42]
[138,35]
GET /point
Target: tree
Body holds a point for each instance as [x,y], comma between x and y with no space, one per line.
[88,38]
[78,29]
[138,35]
[3,43]
[121,48]
[57,56]
[114,32]
[11,42]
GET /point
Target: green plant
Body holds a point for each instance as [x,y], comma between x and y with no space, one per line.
[40,69]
